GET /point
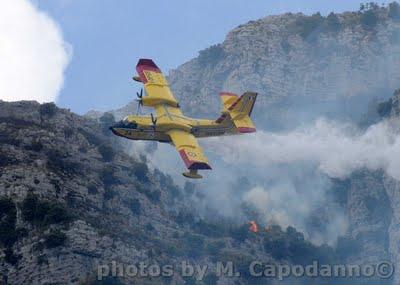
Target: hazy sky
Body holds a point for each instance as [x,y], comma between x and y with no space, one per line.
[108,37]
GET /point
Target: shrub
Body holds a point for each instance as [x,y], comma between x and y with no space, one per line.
[59,163]
[6,160]
[276,247]
[140,170]
[208,229]
[394,11]
[57,214]
[189,188]
[10,257]
[107,281]
[306,25]
[332,23]
[109,193]
[41,259]
[83,149]
[194,245]
[29,207]
[135,207]
[211,55]
[369,15]
[107,176]
[91,138]
[55,238]
[92,188]
[189,280]
[107,152]
[384,108]
[154,196]
[68,132]
[106,120]
[35,146]
[184,217]
[8,217]
[346,247]
[174,191]
[211,279]
[7,206]
[240,233]
[301,252]
[149,227]
[214,248]
[47,109]
[43,212]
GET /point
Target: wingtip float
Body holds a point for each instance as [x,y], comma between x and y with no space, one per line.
[171,126]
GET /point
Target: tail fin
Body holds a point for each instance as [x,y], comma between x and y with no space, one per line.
[243,105]
[227,100]
[239,110]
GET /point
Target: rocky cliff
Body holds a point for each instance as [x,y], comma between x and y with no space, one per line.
[301,66]
[71,200]
[305,67]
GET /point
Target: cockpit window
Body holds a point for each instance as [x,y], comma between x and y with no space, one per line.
[126,124]
[131,125]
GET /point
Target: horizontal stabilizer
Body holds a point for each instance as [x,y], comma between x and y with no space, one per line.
[244,125]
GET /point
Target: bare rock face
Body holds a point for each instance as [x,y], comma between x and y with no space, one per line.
[370,213]
[307,67]
[71,199]
[302,66]
[63,176]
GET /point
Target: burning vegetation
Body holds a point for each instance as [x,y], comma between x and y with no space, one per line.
[253,227]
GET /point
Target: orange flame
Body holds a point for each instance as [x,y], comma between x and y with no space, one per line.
[253,227]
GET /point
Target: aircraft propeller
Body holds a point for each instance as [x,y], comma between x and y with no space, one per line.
[140,100]
[153,120]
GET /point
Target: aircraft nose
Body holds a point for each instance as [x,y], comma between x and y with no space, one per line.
[113,129]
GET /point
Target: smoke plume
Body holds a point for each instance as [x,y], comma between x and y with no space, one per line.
[335,149]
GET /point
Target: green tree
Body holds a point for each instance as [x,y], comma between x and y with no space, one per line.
[106,120]
[394,11]
[332,22]
[55,238]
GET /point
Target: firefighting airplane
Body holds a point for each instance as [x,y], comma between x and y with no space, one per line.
[171,126]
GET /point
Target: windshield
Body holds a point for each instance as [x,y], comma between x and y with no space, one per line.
[126,124]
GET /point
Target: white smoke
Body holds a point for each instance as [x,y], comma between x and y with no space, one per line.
[289,170]
[287,206]
[335,149]
[32,52]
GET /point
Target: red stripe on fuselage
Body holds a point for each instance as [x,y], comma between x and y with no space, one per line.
[221,118]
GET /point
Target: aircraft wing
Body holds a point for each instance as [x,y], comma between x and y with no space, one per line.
[189,149]
[159,94]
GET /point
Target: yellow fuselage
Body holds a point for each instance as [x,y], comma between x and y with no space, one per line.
[142,127]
